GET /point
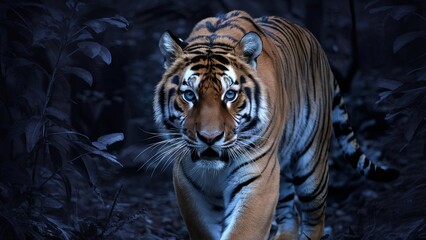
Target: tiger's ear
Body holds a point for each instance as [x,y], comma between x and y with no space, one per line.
[250,47]
[170,46]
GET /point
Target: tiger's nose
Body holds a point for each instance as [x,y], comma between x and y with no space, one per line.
[210,137]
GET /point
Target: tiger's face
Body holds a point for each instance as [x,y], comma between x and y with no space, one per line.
[210,103]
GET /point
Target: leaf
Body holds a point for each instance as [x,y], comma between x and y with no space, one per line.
[84,35]
[94,49]
[58,225]
[85,170]
[96,25]
[107,156]
[111,138]
[33,132]
[90,49]
[79,72]
[117,21]
[73,4]
[414,124]
[389,84]
[99,25]
[99,145]
[406,38]
[92,150]
[105,55]
[54,112]
[67,186]
[107,140]
[401,11]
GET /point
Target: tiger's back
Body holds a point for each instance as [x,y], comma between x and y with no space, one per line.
[249,103]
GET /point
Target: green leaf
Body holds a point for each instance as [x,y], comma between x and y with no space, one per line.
[406,38]
[79,72]
[33,132]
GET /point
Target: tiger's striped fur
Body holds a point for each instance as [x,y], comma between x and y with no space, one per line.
[249,106]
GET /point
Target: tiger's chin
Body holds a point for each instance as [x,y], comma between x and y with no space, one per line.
[210,159]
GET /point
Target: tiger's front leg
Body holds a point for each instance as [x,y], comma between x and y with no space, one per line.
[250,201]
[201,214]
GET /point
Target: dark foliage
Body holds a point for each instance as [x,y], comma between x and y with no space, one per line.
[41,152]
[75,74]
[405,90]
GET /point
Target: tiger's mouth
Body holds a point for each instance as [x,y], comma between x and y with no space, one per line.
[210,155]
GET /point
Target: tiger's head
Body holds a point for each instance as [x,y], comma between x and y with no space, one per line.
[210,101]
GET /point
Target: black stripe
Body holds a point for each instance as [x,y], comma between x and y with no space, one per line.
[297,180]
[168,125]
[217,208]
[354,158]
[198,58]
[316,192]
[161,99]
[242,106]
[251,125]
[198,67]
[247,91]
[221,59]
[176,106]
[170,94]
[286,198]
[273,167]
[175,80]
[256,93]
[220,67]
[317,207]
[198,188]
[249,162]
[241,185]
[250,20]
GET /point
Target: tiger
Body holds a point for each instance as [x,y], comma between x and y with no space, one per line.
[248,107]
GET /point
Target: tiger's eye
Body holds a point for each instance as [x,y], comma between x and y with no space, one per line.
[230,95]
[189,96]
